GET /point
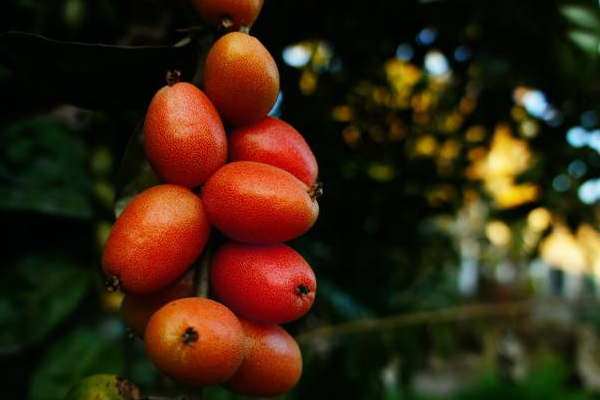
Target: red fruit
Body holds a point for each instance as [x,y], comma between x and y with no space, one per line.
[156,239]
[258,203]
[274,142]
[196,341]
[241,13]
[241,79]
[273,362]
[184,138]
[270,284]
[136,310]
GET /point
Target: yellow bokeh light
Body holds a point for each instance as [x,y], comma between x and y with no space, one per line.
[498,233]
[343,113]
[308,82]
[539,219]
[562,250]
[475,133]
[381,172]
[426,145]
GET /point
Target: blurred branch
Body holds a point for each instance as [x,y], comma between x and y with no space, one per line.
[452,314]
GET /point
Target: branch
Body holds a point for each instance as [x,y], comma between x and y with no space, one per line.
[460,313]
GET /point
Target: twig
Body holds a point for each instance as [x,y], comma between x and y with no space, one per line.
[461,313]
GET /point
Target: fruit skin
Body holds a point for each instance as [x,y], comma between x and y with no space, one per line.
[263,283]
[136,310]
[196,341]
[155,239]
[103,387]
[274,142]
[258,203]
[242,13]
[273,362]
[184,138]
[241,79]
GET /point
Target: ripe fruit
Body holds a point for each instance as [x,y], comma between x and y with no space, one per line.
[272,365]
[258,203]
[269,283]
[275,142]
[241,13]
[155,240]
[137,310]
[184,138]
[241,79]
[195,340]
[103,387]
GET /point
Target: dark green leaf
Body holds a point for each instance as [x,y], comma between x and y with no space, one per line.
[81,353]
[42,169]
[95,76]
[135,174]
[37,294]
[581,17]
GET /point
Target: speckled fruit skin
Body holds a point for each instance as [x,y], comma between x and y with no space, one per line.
[184,138]
[275,142]
[273,362]
[263,283]
[241,79]
[136,310]
[156,238]
[242,13]
[258,203]
[196,341]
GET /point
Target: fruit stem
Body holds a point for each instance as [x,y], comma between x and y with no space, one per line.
[113,283]
[302,290]
[190,336]
[226,23]
[316,190]
[173,77]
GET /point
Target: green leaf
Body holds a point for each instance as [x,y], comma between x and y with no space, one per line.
[81,353]
[42,169]
[36,295]
[135,174]
[581,17]
[585,41]
[96,76]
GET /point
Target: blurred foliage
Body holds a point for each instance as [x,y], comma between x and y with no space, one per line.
[459,144]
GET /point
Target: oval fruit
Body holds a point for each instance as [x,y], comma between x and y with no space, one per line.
[241,13]
[184,138]
[241,79]
[155,239]
[258,203]
[274,142]
[272,365]
[103,387]
[263,283]
[196,341]
[136,310]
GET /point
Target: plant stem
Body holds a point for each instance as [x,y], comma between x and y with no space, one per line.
[461,313]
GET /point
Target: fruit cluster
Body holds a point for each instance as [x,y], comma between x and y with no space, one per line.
[257,186]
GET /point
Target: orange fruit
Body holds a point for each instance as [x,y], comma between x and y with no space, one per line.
[263,283]
[275,142]
[258,203]
[161,232]
[196,341]
[241,13]
[184,138]
[136,310]
[241,79]
[272,365]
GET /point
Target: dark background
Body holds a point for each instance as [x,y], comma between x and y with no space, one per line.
[457,251]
